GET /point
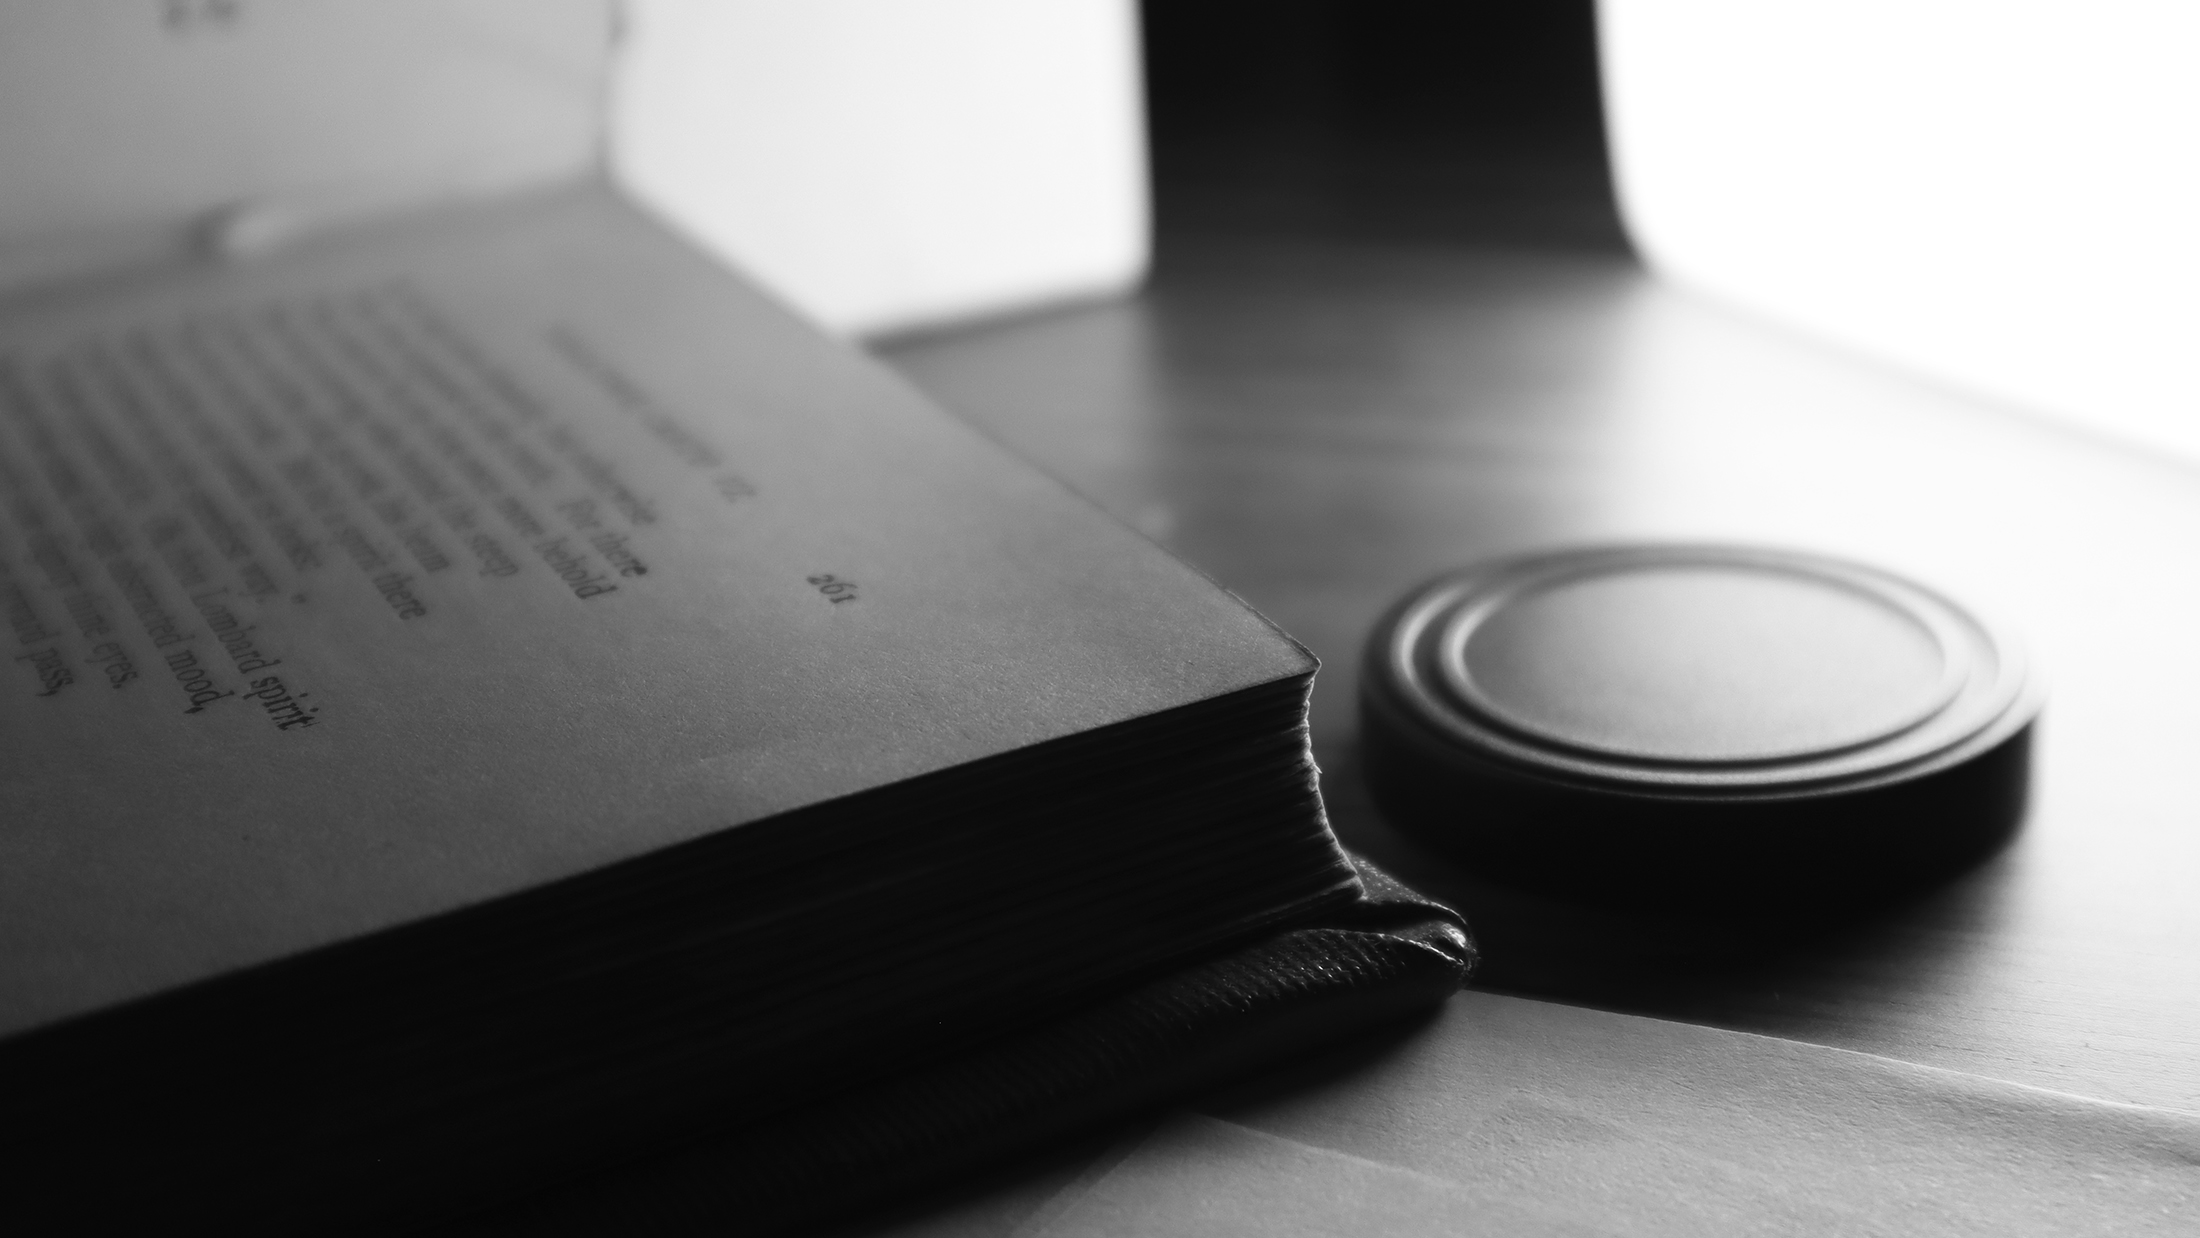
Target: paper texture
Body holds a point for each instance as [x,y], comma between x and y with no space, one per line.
[135,130]
[1516,1117]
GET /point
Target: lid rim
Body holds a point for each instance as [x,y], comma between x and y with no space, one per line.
[1628,782]
[1991,699]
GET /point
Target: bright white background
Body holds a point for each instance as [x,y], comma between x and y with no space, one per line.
[2000,194]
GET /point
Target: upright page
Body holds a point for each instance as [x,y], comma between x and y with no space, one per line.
[137,131]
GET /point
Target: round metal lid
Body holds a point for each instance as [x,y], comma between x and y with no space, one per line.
[1710,708]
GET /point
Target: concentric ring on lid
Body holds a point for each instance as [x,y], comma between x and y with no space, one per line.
[1598,689]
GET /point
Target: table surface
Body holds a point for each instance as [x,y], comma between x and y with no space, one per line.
[1320,421]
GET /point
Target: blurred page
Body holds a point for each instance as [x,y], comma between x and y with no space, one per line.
[883,164]
[131,129]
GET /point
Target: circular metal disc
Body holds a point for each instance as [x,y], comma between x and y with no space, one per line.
[1742,723]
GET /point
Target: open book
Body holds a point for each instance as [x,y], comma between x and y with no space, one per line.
[490,695]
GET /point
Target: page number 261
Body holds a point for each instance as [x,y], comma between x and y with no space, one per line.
[834,588]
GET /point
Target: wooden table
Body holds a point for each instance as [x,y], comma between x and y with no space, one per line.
[1319,422]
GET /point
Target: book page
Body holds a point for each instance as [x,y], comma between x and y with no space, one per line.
[453,557]
[134,130]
